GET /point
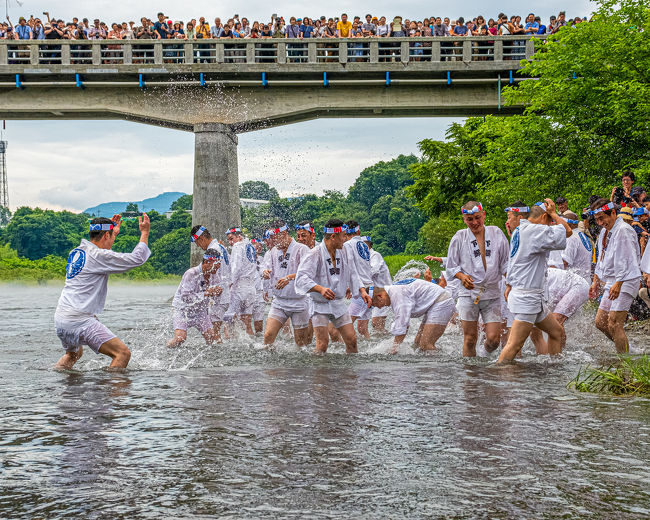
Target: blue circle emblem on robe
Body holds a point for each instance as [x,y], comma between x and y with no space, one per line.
[585,241]
[406,281]
[363,250]
[76,262]
[250,253]
[514,246]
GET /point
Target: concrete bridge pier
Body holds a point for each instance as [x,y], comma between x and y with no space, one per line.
[216,181]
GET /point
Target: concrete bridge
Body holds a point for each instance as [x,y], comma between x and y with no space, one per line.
[218,88]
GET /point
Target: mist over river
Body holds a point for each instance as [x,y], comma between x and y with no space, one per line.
[237,431]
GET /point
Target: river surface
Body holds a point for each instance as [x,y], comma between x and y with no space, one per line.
[235,431]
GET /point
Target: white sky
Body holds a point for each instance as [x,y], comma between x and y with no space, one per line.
[78,164]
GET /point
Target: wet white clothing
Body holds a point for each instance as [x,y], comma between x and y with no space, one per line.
[567,291]
[619,260]
[358,253]
[555,258]
[284,263]
[379,270]
[190,295]
[87,271]
[243,273]
[412,298]
[223,274]
[645,261]
[464,256]
[316,268]
[578,254]
[529,248]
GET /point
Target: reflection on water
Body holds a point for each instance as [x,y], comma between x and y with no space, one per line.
[236,431]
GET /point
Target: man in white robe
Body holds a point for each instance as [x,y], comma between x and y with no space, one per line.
[617,269]
[530,245]
[243,277]
[328,274]
[84,294]
[478,256]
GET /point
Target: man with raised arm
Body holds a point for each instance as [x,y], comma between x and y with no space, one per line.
[202,238]
[243,273]
[198,290]
[531,242]
[287,304]
[412,298]
[478,256]
[84,293]
[617,268]
[327,272]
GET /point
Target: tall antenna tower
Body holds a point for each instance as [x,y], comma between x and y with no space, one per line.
[4,191]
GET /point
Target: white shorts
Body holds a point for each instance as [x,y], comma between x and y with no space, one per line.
[572,300]
[259,308]
[359,309]
[92,333]
[218,311]
[488,310]
[323,320]
[380,312]
[620,304]
[299,319]
[533,318]
[440,313]
[184,321]
[242,303]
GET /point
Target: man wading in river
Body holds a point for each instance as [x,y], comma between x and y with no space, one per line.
[84,293]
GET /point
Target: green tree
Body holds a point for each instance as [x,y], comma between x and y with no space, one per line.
[5,216]
[383,178]
[131,207]
[183,202]
[171,253]
[257,190]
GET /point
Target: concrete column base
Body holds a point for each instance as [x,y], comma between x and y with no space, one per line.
[216,181]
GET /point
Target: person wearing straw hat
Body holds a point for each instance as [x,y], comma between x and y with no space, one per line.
[84,294]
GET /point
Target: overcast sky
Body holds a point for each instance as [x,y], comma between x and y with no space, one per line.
[77,164]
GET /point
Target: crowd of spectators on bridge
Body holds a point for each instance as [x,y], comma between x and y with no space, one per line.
[35,28]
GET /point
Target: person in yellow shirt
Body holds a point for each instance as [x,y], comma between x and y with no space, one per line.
[343,27]
[203,29]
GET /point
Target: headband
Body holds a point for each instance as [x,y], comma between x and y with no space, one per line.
[571,221]
[606,207]
[212,257]
[366,239]
[518,209]
[198,233]
[371,291]
[475,209]
[275,231]
[101,227]
[338,229]
[233,230]
[352,231]
[306,227]
[541,205]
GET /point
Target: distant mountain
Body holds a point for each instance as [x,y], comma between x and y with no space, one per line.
[161,203]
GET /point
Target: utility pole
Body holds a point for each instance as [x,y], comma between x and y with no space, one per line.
[4,190]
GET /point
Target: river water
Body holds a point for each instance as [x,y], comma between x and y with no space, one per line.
[238,432]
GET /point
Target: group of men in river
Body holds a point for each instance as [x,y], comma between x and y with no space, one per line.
[511,291]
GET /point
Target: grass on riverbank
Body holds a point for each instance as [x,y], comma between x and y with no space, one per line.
[629,376]
[396,262]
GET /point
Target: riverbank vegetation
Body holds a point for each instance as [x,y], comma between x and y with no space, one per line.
[629,376]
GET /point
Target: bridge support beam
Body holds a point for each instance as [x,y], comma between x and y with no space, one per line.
[216,181]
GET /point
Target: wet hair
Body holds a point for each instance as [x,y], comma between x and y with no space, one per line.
[277,224]
[94,235]
[470,205]
[536,211]
[205,234]
[599,204]
[630,174]
[305,222]
[213,252]
[560,200]
[593,199]
[351,224]
[333,223]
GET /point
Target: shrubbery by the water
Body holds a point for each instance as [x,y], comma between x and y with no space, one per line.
[629,376]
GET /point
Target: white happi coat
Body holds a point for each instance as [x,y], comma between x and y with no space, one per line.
[190,295]
[283,264]
[619,262]
[529,248]
[223,274]
[243,268]
[645,261]
[380,273]
[464,256]
[358,253]
[86,281]
[316,268]
[578,254]
[411,298]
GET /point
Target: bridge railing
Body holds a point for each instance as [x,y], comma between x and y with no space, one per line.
[33,53]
